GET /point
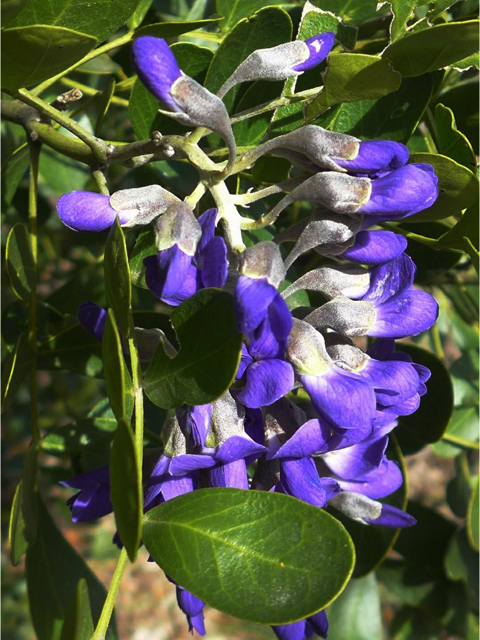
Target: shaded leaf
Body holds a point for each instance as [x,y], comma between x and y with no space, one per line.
[144,246]
[19,259]
[78,623]
[352,10]
[174,29]
[14,370]
[13,170]
[126,488]
[118,288]
[54,49]
[10,10]
[239,550]
[210,345]
[452,143]
[104,104]
[356,614]
[433,48]
[459,489]
[462,433]
[430,263]
[75,438]
[402,12]
[473,518]
[117,378]
[466,227]
[234,10]
[73,350]
[23,526]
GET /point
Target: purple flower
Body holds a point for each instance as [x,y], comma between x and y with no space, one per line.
[156,67]
[93,499]
[192,607]
[173,275]
[374,247]
[302,629]
[368,511]
[375,156]
[318,47]
[92,318]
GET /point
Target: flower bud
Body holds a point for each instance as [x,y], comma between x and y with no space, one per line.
[88,211]
[376,155]
[349,281]
[263,260]
[348,317]
[178,226]
[357,506]
[306,349]
[370,247]
[282,61]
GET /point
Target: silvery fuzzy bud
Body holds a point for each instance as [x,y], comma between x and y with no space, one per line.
[147,341]
[178,226]
[344,353]
[349,281]
[174,442]
[281,62]
[357,506]
[348,317]
[227,420]
[306,349]
[88,211]
[282,419]
[263,260]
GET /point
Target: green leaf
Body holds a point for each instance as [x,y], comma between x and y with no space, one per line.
[10,10]
[62,174]
[356,614]
[144,247]
[414,586]
[126,491]
[462,433]
[353,76]
[402,12]
[459,489]
[99,18]
[103,105]
[72,350]
[117,378]
[461,561]
[53,570]
[19,259]
[90,435]
[234,10]
[118,288]
[466,227]
[458,187]
[23,526]
[53,48]
[143,107]
[14,370]
[210,346]
[393,117]
[474,254]
[431,419]
[174,29]
[240,551]
[352,10]
[270,26]
[451,142]
[13,170]
[17,542]
[78,623]
[250,132]
[462,100]
[467,63]
[320,21]
[473,518]
[433,48]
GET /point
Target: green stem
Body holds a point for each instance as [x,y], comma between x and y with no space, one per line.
[460,442]
[89,91]
[105,616]
[97,146]
[229,215]
[137,380]
[34,148]
[93,54]
[430,122]
[429,242]
[101,182]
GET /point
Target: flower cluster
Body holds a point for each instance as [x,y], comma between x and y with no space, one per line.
[310,409]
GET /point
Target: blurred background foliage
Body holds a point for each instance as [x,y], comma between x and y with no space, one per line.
[420,585]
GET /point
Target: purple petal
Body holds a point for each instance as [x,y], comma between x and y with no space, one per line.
[173,487]
[393,381]
[319,47]
[198,423]
[245,361]
[357,460]
[156,67]
[93,478]
[180,465]
[280,318]
[343,400]
[319,623]
[208,222]
[375,247]
[171,276]
[342,438]
[254,425]
[377,155]
[92,318]
[308,439]
[390,279]
[252,299]
[402,192]
[87,211]
[192,607]
[393,517]
[299,478]
[405,408]
[238,448]
[266,382]
[294,631]
[213,263]
[233,474]
[93,499]
[379,483]
[406,314]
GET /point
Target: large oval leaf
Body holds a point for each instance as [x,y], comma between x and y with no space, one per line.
[259,556]
[210,347]
[53,49]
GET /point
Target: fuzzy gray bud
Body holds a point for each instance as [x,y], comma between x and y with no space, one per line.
[350,281]
[348,317]
[147,202]
[178,226]
[306,349]
[357,506]
[263,260]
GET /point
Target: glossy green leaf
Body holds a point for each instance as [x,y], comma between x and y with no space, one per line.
[14,370]
[402,10]
[126,491]
[210,345]
[54,49]
[23,525]
[320,21]
[353,76]
[139,14]
[117,378]
[431,419]
[355,11]
[53,570]
[474,253]
[451,142]
[10,10]
[462,100]
[470,62]
[270,26]
[78,623]
[372,544]
[99,18]
[466,227]
[461,561]
[393,117]
[19,259]
[174,29]
[235,10]
[144,247]
[251,131]
[118,288]
[458,187]
[459,489]
[13,170]
[356,614]
[433,48]
[238,550]
[72,350]
[462,433]
[62,174]
[143,106]
[473,517]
